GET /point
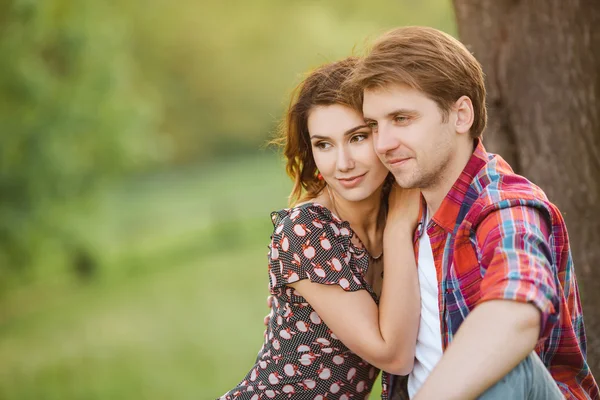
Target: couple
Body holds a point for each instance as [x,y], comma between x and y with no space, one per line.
[409,248]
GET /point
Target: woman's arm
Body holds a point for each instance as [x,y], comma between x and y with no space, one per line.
[384,336]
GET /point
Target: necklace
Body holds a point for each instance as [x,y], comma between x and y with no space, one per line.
[337,213]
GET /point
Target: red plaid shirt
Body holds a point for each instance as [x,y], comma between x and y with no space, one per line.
[496,236]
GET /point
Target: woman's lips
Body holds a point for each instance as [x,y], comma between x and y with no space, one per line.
[351,182]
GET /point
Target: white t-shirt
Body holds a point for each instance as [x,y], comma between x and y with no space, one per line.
[429,339]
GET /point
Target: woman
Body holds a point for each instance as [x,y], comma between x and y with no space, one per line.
[326,336]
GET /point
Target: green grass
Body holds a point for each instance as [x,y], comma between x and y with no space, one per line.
[176,312]
[161,335]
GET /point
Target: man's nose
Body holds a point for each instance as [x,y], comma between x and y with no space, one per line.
[384,140]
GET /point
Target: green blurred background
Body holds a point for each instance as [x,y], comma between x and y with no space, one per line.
[135,186]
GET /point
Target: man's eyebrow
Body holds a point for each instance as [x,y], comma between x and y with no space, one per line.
[394,113]
[401,111]
[348,132]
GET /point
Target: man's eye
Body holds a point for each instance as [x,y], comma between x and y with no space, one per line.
[400,118]
[372,124]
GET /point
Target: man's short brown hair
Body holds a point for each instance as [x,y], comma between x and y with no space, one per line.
[427,60]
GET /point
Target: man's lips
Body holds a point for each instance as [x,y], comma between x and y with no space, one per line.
[351,181]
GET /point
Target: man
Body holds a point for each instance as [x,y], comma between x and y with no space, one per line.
[495,269]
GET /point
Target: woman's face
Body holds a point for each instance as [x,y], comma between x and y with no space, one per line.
[343,151]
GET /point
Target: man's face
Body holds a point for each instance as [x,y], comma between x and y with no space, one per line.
[410,136]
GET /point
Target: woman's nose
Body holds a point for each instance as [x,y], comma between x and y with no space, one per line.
[345,161]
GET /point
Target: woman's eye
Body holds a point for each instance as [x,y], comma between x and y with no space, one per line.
[358,138]
[322,145]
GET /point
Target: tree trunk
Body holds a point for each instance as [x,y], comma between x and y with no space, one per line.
[542,64]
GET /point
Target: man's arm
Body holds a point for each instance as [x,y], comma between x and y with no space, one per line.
[517,307]
[493,340]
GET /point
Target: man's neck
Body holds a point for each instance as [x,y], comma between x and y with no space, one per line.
[435,195]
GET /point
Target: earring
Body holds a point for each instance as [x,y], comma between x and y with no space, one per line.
[319,176]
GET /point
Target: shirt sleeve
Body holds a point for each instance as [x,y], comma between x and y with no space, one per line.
[303,250]
[516,260]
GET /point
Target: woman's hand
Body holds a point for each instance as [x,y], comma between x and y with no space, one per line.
[267,317]
[403,210]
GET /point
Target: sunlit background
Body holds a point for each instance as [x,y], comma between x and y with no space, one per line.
[135,185]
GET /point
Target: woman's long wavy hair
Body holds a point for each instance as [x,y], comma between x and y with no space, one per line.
[323,86]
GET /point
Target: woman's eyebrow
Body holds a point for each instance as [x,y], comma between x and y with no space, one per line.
[348,132]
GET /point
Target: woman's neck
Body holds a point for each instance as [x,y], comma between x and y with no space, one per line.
[364,217]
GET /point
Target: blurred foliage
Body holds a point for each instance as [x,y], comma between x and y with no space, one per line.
[128,139]
[71,115]
[224,69]
[89,90]
[94,90]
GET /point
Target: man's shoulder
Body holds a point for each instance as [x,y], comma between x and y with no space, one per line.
[496,182]
[496,186]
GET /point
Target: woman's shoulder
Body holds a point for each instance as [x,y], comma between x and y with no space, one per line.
[309,242]
[308,216]
[301,213]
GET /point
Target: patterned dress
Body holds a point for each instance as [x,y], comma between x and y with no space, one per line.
[301,357]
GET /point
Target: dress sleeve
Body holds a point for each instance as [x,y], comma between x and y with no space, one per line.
[305,247]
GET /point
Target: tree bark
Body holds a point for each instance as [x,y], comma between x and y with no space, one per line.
[542,64]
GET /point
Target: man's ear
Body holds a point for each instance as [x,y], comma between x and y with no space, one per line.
[464,114]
